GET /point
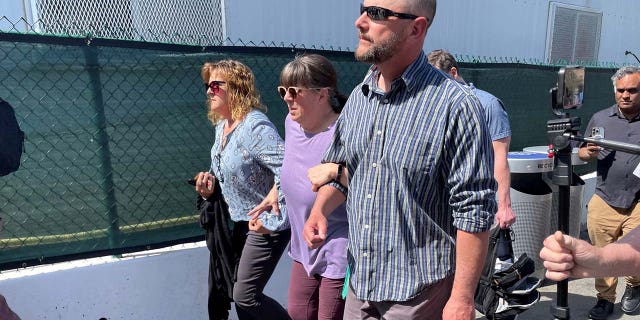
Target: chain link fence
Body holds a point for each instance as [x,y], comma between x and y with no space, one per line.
[114,128]
[195,22]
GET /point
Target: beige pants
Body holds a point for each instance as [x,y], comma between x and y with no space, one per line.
[607,224]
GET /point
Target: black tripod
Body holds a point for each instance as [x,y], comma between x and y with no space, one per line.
[557,130]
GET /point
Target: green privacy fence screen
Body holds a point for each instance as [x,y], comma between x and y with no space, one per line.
[114,128]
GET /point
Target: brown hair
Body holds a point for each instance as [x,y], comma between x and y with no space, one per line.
[241,90]
[314,71]
[442,60]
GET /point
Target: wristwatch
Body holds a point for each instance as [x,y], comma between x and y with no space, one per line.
[339,175]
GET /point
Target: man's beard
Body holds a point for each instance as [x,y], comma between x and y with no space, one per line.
[382,51]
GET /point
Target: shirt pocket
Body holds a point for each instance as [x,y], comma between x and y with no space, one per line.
[410,155]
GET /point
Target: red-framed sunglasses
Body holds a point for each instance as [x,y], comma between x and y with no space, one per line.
[214,86]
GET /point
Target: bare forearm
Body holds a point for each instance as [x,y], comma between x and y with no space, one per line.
[327,200]
[470,256]
[501,171]
[503,177]
[623,257]
[618,259]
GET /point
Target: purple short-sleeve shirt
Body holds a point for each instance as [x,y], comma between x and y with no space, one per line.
[301,152]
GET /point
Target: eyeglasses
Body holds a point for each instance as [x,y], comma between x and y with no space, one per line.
[219,174]
[214,86]
[293,91]
[380,14]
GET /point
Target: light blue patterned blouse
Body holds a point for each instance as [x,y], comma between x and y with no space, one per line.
[248,166]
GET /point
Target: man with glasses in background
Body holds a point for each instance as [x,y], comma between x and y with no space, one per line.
[420,166]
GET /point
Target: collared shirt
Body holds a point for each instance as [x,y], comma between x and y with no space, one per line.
[616,184]
[421,165]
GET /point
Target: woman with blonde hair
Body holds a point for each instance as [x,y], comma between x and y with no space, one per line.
[245,167]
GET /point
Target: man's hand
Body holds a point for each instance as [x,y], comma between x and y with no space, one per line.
[589,152]
[565,256]
[459,309]
[505,217]
[314,231]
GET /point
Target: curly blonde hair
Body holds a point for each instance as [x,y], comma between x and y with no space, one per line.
[242,94]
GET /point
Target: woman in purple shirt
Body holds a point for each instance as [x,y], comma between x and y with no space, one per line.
[309,87]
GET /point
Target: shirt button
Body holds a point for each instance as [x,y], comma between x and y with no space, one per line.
[369,196]
[385,101]
[365,254]
[374,164]
[379,132]
[366,226]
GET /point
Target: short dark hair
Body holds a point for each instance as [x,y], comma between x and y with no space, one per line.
[442,60]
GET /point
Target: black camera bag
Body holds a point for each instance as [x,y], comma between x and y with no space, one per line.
[508,292]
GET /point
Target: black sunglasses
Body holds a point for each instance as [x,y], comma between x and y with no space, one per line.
[214,86]
[379,14]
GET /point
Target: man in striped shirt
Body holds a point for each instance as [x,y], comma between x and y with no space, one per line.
[418,155]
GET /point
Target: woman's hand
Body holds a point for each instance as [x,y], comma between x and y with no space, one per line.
[255,225]
[322,174]
[269,203]
[204,184]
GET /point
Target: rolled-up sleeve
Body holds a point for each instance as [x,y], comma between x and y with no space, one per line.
[336,154]
[471,183]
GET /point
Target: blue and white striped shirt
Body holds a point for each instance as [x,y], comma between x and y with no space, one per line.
[421,166]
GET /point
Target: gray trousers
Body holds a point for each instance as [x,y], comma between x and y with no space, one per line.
[259,258]
[428,304]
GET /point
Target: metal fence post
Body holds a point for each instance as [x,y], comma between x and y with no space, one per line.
[92,66]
